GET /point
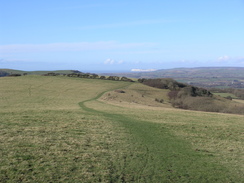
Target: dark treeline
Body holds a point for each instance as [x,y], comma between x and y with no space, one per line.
[163,83]
[11,75]
[91,76]
[176,87]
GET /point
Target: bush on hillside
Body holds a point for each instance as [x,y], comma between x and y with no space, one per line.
[14,75]
[126,79]
[159,100]
[163,83]
[229,97]
[114,78]
[194,92]
[102,77]
[173,94]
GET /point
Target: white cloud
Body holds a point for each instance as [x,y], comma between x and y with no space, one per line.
[142,70]
[120,61]
[224,58]
[80,46]
[109,61]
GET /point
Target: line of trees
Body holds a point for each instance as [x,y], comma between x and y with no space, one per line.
[177,89]
[92,76]
[163,83]
[14,75]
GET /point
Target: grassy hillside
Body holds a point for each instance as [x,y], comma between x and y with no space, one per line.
[60,129]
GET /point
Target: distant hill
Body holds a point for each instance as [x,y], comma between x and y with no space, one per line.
[200,72]
[200,76]
[6,72]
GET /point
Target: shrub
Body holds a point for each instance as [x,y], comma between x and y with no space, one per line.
[173,94]
[119,91]
[141,80]
[94,76]
[102,77]
[229,97]
[14,75]
[111,78]
[159,100]
[126,79]
[195,91]
[163,83]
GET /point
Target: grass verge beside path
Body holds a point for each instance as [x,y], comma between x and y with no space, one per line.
[154,154]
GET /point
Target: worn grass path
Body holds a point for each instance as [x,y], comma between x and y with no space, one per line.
[154,154]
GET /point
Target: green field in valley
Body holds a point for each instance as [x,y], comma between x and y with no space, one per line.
[60,129]
[226,95]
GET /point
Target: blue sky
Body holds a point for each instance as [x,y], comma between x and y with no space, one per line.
[109,35]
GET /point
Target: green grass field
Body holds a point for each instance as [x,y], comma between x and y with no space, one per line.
[226,95]
[60,129]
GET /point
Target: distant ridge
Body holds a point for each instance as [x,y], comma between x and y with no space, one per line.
[6,72]
[223,77]
[207,72]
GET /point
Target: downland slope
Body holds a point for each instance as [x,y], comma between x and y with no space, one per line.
[64,129]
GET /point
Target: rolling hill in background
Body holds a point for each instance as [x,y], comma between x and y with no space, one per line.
[199,72]
[201,76]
